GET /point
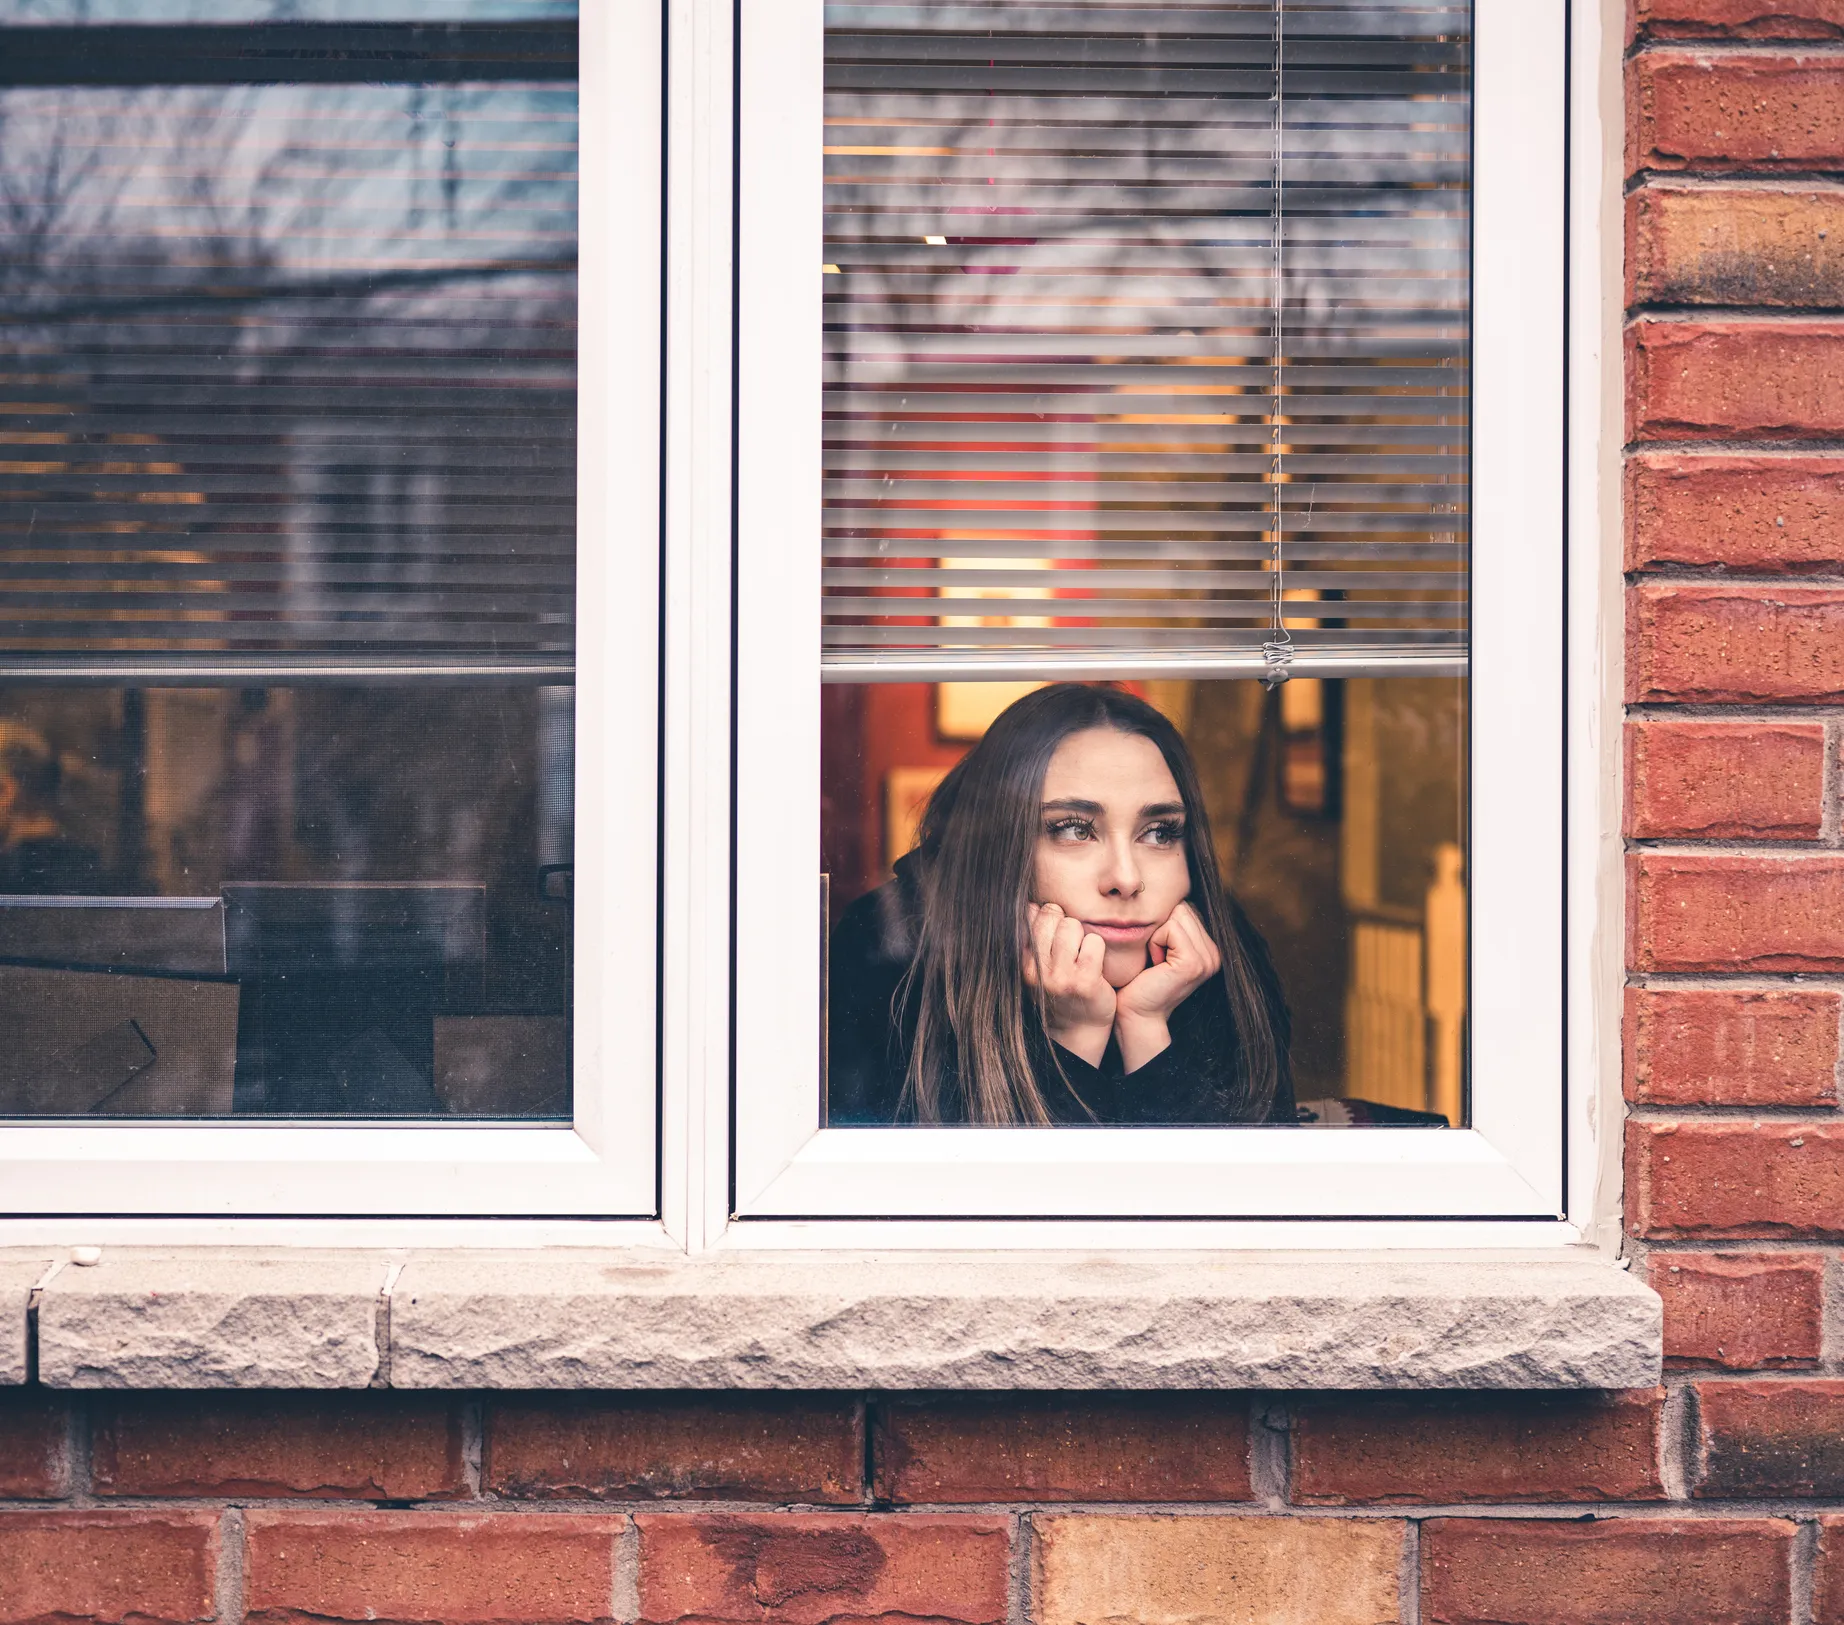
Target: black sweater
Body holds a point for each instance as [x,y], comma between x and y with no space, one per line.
[1192,1080]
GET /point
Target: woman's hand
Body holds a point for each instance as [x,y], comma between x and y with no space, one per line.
[1184,956]
[1064,962]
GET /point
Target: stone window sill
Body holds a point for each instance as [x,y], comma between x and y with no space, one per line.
[562,1319]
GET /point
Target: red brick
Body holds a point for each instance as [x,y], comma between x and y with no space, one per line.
[1776,514]
[397,1447]
[34,1455]
[1781,247]
[1702,642]
[1703,780]
[1022,1447]
[1360,1449]
[1691,380]
[1704,1046]
[1770,1438]
[1740,19]
[1692,110]
[1516,1571]
[1740,1311]
[815,1568]
[755,1447]
[140,1568]
[1723,912]
[446,1568]
[1718,1180]
[1828,1587]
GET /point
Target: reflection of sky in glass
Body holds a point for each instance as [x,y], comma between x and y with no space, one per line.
[291,11]
[294,178]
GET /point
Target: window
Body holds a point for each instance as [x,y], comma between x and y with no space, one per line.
[512,528]
[1194,356]
[306,513]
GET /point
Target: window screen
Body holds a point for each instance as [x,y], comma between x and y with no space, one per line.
[1146,328]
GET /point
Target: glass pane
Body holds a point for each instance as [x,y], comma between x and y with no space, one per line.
[318,901]
[287,542]
[1331,813]
[1141,322]
[1146,345]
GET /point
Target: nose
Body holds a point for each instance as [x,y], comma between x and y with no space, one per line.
[1120,875]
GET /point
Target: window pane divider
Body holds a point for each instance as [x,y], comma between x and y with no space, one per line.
[219,672]
[1252,662]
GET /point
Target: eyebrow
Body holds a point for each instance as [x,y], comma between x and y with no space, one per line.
[1153,809]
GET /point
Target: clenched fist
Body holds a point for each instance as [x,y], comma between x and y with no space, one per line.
[1064,962]
[1184,956]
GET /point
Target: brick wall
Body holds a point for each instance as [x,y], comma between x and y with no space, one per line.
[1696,1503]
[1716,1500]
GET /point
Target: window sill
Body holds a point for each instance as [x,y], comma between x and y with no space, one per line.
[562,1319]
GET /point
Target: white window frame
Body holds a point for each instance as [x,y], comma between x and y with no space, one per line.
[672,1109]
[604,1164]
[1512,1163]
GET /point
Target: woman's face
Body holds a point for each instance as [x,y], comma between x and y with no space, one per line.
[1111,843]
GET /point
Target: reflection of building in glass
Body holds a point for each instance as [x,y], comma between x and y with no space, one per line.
[287,472]
[300,364]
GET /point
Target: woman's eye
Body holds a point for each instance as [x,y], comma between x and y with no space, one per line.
[1070,829]
[1166,834]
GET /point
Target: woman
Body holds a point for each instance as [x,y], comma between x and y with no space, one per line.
[1058,947]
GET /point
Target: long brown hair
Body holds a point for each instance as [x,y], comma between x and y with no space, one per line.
[971,1056]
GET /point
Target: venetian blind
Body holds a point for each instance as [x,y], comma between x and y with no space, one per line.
[1145,337]
[287,350]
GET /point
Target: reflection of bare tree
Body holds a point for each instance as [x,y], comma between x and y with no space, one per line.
[1060,325]
[344,317]
[35,196]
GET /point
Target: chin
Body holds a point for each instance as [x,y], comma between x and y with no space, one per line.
[1118,970]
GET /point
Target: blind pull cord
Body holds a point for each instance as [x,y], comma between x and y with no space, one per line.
[1277,651]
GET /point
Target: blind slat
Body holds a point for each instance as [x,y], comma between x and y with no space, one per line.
[288,358]
[1137,318]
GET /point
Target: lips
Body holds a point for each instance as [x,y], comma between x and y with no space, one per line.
[1121,931]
